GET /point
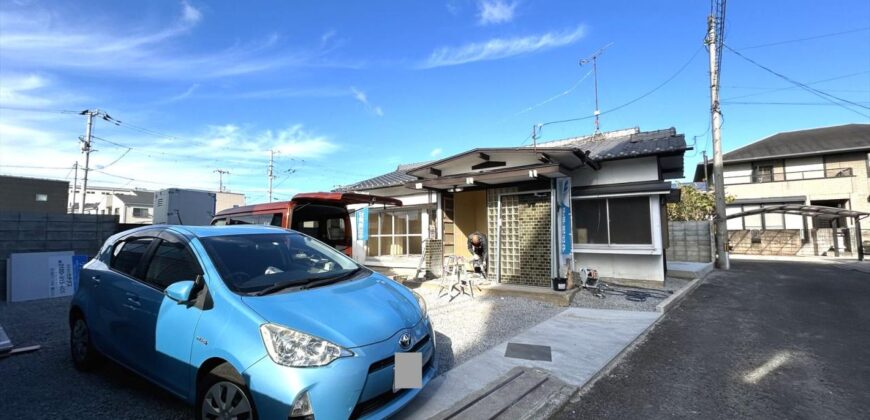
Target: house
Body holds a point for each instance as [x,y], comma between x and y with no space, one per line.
[131,205]
[591,201]
[825,166]
[33,194]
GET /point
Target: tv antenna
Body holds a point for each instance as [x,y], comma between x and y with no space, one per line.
[594,60]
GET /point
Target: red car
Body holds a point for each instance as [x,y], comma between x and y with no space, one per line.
[321,215]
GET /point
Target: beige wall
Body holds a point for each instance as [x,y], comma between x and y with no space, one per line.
[856,188]
[469,216]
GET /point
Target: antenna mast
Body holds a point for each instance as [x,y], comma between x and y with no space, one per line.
[594,60]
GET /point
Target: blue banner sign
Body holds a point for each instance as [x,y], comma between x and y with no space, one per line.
[362,224]
[563,221]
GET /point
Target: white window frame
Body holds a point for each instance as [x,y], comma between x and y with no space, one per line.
[654,248]
[393,234]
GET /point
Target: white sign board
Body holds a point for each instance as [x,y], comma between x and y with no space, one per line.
[39,275]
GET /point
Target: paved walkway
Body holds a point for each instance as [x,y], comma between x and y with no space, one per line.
[582,342]
[768,339]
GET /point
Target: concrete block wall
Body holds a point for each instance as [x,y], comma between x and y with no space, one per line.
[41,232]
[768,242]
[690,241]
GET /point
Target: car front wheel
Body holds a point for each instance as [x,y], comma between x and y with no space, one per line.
[224,396]
[85,357]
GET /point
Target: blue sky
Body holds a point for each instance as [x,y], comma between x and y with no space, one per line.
[348,90]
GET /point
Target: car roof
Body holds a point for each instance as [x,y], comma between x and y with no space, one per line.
[209,231]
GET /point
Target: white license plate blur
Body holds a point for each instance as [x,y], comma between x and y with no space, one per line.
[408,372]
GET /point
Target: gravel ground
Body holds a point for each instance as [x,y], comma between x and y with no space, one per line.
[616,298]
[466,327]
[44,384]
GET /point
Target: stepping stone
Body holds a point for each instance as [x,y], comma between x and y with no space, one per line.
[522,393]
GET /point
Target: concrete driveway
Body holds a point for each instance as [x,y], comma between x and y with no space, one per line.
[768,339]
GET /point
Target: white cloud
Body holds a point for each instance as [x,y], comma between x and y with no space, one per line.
[46,40]
[362,98]
[495,11]
[153,163]
[184,95]
[436,152]
[498,48]
[189,13]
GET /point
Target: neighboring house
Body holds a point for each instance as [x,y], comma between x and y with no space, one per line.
[822,166]
[130,205]
[33,194]
[617,185]
[227,200]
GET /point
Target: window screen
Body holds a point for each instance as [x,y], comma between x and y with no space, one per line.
[630,221]
[590,221]
[613,221]
[171,263]
[128,254]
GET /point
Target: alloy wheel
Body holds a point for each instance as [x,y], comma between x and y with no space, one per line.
[226,400]
[80,340]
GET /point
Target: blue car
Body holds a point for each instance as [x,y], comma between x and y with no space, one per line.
[250,322]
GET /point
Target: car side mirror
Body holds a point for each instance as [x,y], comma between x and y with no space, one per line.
[180,291]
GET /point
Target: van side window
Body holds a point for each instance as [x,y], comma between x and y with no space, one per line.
[219,222]
[127,254]
[172,262]
[276,220]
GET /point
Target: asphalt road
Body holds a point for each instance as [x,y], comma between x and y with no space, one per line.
[764,340]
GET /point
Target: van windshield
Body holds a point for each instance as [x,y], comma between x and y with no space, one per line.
[252,263]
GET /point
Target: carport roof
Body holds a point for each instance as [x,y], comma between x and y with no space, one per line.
[803,210]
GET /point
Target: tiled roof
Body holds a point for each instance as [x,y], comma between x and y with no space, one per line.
[391,179]
[623,144]
[805,142]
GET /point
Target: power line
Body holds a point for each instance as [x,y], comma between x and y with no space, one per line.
[783,103]
[771,90]
[826,96]
[47,111]
[809,38]
[650,92]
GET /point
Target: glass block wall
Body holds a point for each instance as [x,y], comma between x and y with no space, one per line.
[524,244]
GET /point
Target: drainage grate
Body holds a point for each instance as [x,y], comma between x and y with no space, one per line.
[528,352]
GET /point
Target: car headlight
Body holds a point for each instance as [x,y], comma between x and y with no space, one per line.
[421,303]
[295,349]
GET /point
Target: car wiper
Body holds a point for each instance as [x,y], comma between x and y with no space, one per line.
[330,280]
[281,286]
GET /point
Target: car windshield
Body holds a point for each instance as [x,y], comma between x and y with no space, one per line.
[256,263]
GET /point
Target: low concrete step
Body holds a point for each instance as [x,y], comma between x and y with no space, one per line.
[522,393]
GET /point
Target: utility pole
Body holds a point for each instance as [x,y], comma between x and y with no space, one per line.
[594,59]
[75,183]
[221,173]
[716,115]
[271,172]
[86,149]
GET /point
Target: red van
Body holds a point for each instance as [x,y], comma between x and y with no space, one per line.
[321,215]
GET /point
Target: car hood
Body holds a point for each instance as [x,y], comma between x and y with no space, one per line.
[351,313]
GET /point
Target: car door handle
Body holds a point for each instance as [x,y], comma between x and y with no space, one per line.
[96,279]
[134,299]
